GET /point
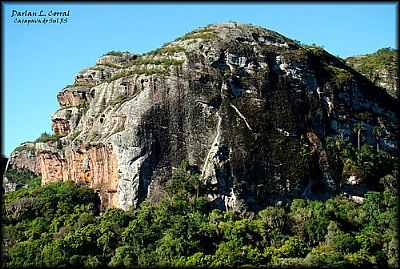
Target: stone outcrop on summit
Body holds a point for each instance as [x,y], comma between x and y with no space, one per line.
[236,101]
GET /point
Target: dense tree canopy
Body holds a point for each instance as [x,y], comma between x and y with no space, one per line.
[60,224]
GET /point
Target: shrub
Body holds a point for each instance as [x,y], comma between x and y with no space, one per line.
[161,61]
[204,34]
[82,84]
[137,71]
[292,247]
[324,256]
[114,53]
[84,105]
[167,50]
[124,257]
[45,137]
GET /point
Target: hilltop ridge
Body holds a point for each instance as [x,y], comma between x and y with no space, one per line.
[240,103]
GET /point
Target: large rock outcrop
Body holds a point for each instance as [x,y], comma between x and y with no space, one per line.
[237,101]
[24,158]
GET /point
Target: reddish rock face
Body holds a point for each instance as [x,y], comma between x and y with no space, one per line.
[53,167]
[60,126]
[94,166]
[97,167]
[70,97]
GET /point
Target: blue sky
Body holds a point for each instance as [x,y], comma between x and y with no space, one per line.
[41,59]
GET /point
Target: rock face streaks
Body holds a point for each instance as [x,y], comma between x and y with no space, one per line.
[241,116]
[232,99]
[207,166]
[95,166]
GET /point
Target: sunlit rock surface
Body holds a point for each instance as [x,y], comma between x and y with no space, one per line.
[237,101]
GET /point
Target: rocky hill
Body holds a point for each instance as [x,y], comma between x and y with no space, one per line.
[248,108]
[381,67]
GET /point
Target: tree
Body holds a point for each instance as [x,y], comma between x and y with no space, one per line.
[170,247]
[339,240]
[377,132]
[324,255]
[229,253]
[58,225]
[124,257]
[292,247]
[184,183]
[25,254]
[357,128]
[53,254]
[198,259]
[92,262]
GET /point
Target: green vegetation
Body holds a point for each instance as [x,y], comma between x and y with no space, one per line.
[94,136]
[20,148]
[68,114]
[368,163]
[120,75]
[114,53]
[97,67]
[84,105]
[205,34]
[341,76]
[75,134]
[25,177]
[151,60]
[368,64]
[167,50]
[314,49]
[138,71]
[377,131]
[45,137]
[227,73]
[60,225]
[120,99]
[81,84]
[380,68]
[111,65]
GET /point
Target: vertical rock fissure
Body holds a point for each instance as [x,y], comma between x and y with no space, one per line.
[214,146]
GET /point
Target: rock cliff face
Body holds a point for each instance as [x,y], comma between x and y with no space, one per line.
[237,101]
[380,67]
[24,158]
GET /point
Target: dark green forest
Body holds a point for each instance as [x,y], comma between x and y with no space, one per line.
[61,225]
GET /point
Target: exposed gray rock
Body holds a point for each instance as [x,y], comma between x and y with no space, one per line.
[24,158]
[232,99]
